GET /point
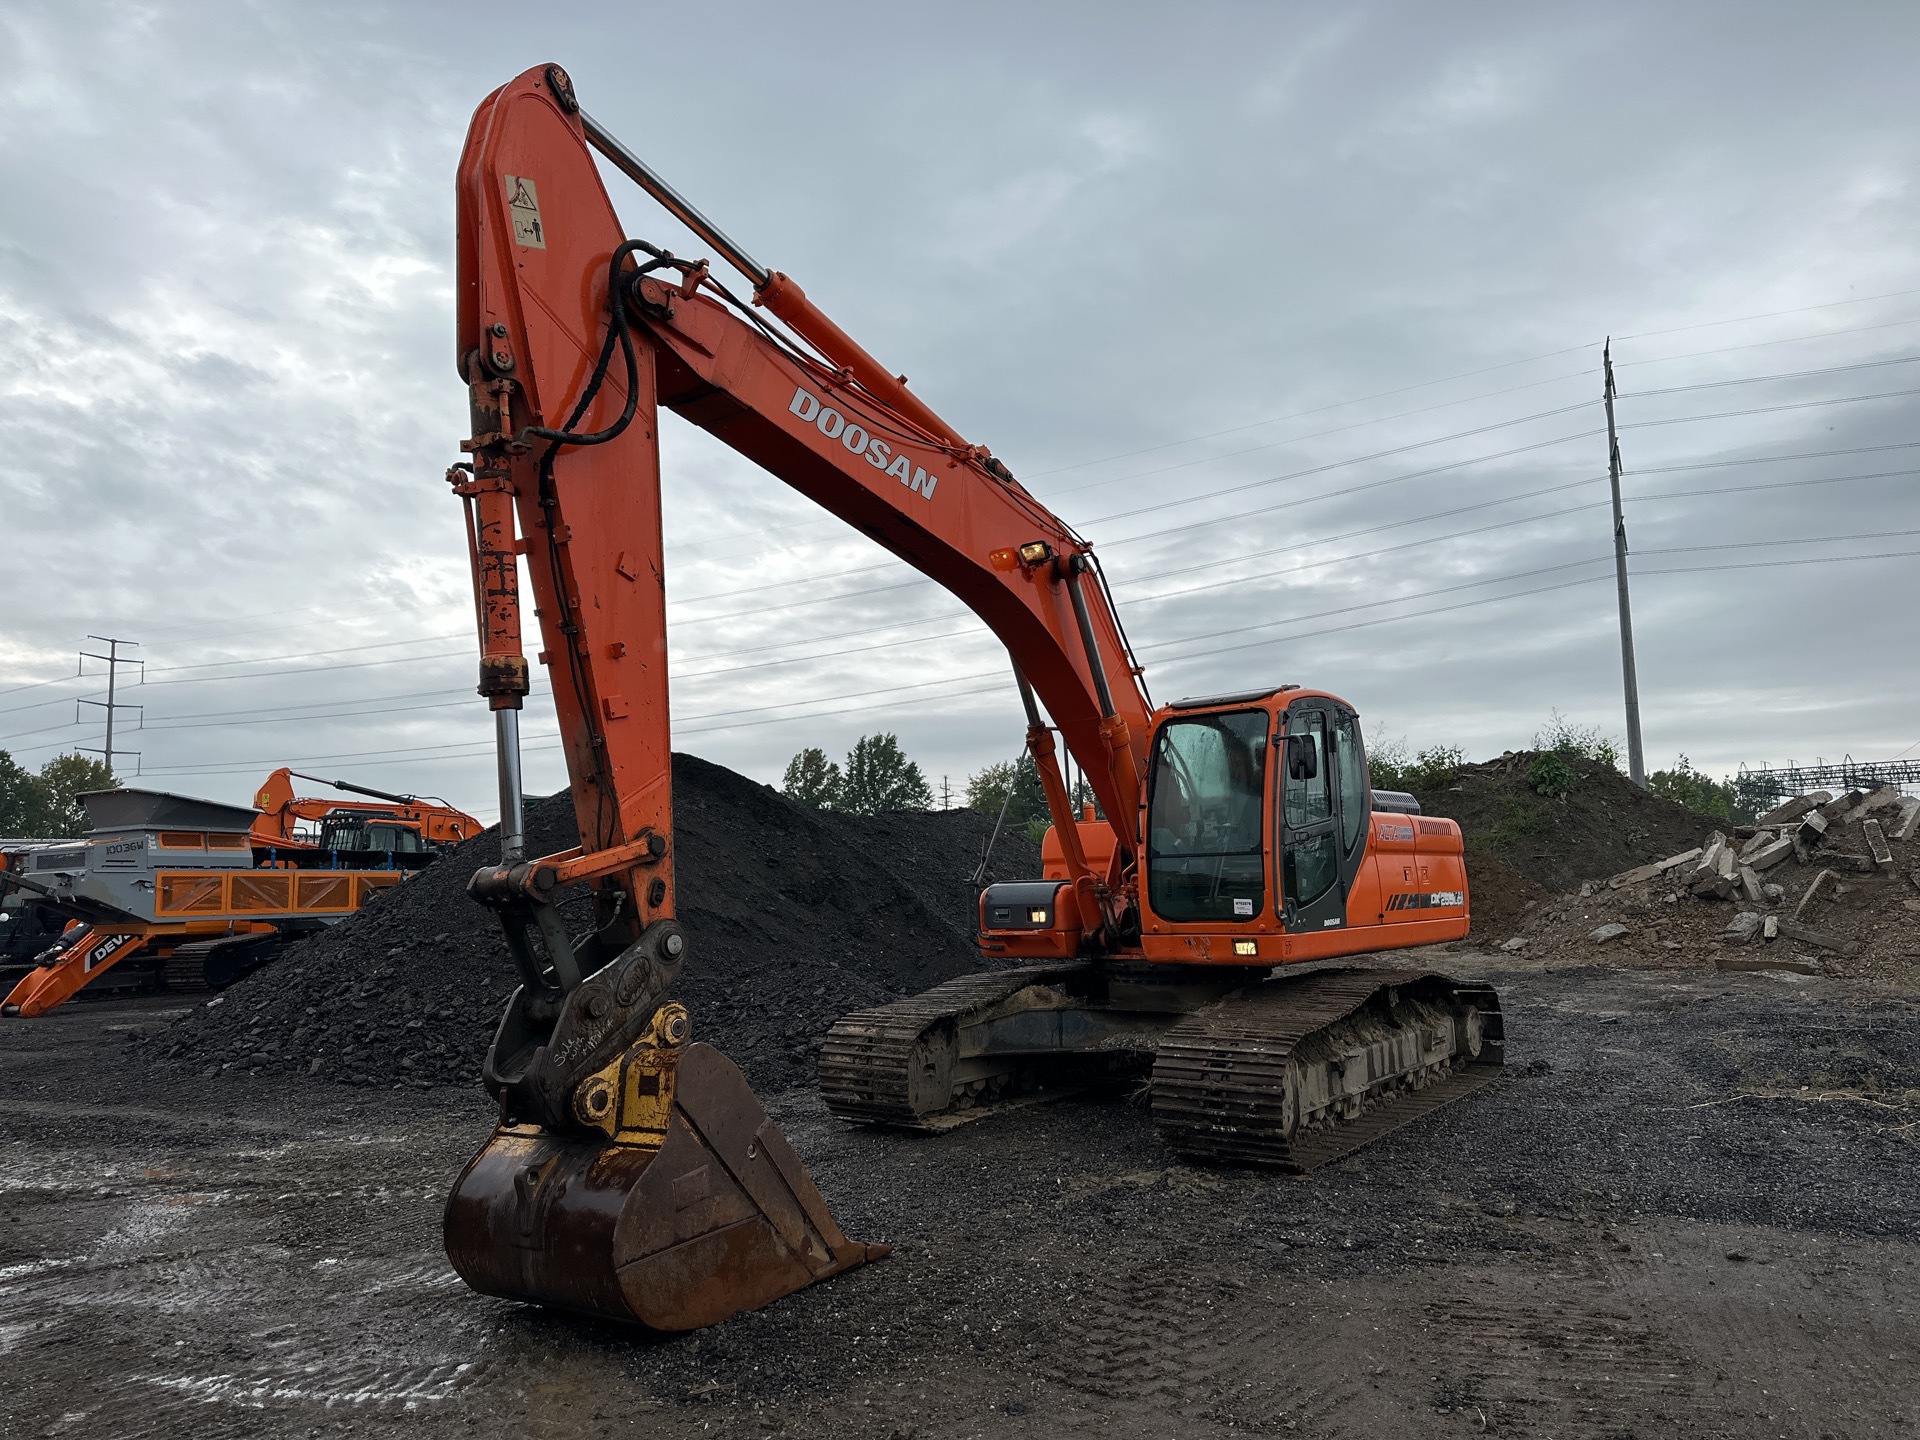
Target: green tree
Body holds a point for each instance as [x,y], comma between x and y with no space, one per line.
[1014,783]
[1083,796]
[48,805]
[879,777]
[61,783]
[1394,766]
[812,780]
[1699,792]
[19,798]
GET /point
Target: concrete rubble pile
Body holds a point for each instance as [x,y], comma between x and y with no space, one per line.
[1834,836]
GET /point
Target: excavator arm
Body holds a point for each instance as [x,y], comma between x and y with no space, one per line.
[571,339]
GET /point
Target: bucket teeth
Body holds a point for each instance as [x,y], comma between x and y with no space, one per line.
[717,1217]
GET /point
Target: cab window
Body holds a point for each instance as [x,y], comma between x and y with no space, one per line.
[1204,818]
[1356,804]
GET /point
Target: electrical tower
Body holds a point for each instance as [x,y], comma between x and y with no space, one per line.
[113,660]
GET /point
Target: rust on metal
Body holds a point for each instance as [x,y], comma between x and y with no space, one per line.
[718,1217]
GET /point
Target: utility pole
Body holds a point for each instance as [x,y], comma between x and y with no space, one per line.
[1636,756]
[114,660]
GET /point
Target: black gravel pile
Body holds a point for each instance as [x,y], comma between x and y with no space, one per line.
[795,917]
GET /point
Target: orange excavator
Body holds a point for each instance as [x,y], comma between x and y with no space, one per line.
[633,1174]
[296,826]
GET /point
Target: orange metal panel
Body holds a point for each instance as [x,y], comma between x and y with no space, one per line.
[185,892]
[262,891]
[324,890]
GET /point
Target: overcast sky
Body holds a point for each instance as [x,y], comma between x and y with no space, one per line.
[1294,310]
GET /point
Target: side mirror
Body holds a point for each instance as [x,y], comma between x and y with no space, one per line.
[1303,763]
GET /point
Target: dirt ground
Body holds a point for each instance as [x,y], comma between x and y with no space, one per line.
[1688,1209]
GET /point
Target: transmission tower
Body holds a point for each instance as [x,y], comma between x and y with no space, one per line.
[113,660]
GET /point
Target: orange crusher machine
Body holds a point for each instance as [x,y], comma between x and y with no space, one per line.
[165,891]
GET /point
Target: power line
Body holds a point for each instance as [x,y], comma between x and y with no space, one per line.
[1771,409]
[478,750]
[1759,379]
[305,654]
[1504,365]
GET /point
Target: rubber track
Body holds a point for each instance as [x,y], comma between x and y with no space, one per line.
[865,1058]
[1219,1077]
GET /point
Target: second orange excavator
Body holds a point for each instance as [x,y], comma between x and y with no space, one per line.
[633,1174]
[384,824]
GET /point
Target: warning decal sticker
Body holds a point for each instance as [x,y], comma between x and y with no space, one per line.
[523,204]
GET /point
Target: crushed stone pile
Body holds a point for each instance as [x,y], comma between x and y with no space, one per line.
[794,917]
[1822,884]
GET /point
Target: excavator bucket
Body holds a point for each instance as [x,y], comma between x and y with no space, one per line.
[709,1215]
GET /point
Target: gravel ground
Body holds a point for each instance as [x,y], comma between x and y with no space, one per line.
[1689,1209]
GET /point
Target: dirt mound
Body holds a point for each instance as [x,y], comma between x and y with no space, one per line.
[794,916]
[1605,824]
[1502,900]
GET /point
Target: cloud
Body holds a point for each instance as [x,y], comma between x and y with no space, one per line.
[1299,279]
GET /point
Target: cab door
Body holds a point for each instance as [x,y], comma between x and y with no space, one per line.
[1324,811]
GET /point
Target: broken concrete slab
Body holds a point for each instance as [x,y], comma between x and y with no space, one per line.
[1608,932]
[1808,935]
[1750,885]
[1838,807]
[1635,876]
[1775,893]
[1770,928]
[1742,962]
[1642,873]
[1708,857]
[1877,844]
[1852,860]
[1793,809]
[1761,839]
[1813,827]
[1883,798]
[1743,929]
[1513,946]
[1825,880]
[1902,827]
[1770,854]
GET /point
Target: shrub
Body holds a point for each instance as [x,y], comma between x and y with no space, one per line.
[1560,736]
[1550,775]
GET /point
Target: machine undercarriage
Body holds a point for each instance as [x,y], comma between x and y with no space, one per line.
[1289,1071]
